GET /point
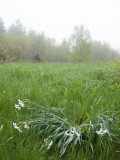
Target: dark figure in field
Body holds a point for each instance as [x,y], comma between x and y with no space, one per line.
[36,59]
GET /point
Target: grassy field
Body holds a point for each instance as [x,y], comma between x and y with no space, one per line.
[85,93]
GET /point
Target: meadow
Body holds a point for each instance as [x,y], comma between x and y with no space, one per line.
[83,94]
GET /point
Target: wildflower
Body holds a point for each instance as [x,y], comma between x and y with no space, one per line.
[16,127]
[26,126]
[73,131]
[101,131]
[68,134]
[17,107]
[50,144]
[21,104]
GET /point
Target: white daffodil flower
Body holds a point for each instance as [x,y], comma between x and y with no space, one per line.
[26,126]
[21,104]
[69,134]
[101,131]
[73,131]
[17,107]
[16,127]
[50,144]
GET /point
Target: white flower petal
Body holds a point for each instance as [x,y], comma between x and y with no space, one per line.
[17,107]
[102,132]
[21,103]
[16,127]
[26,126]
[14,124]
[105,131]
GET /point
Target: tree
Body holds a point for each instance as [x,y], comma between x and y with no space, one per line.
[17,28]
[81,44]
[16,38]
[2,26]
[62,51]
[103,52]
[2,39]
[37,44]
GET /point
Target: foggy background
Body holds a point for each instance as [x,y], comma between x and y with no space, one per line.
[63,31]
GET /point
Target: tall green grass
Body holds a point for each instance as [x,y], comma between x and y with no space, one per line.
[84,93]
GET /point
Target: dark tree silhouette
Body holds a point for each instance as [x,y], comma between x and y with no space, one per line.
[36,59]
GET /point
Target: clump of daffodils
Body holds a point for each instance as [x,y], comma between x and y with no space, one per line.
[58,130]
[20,124]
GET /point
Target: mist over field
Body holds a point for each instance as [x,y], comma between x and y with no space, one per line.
[18,44]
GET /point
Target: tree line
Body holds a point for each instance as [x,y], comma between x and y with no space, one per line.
[17,44]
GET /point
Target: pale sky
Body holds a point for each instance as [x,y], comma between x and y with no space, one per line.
[57,18]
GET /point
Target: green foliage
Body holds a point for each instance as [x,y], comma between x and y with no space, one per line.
[55,128]
[116,73]
[82,91]
[3,55]
[15,53]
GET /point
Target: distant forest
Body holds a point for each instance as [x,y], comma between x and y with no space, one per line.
[17,44]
